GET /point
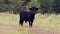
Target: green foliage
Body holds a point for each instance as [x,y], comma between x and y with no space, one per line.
[16,5]
[57,6]
[43,5]
[10,7]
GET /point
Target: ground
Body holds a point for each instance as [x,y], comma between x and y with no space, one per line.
[43,24]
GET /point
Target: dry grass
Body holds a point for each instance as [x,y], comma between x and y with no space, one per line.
[46,22]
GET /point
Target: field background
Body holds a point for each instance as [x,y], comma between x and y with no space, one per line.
[43,24]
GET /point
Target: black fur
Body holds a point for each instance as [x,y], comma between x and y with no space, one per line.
[27,16]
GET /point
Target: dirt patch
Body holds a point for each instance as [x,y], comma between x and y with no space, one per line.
[35,29]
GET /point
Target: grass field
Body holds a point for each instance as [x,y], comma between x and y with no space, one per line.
[9,24]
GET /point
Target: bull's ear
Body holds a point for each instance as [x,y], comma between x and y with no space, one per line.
[29,8]
[37,8]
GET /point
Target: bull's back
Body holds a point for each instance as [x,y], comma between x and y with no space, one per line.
[27,16]
[23,15]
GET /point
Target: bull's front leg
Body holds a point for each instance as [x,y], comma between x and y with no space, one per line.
[30,23]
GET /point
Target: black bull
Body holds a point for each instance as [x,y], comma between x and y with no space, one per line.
[27,16]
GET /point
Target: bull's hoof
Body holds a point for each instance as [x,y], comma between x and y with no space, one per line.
[21,24]
[30,25]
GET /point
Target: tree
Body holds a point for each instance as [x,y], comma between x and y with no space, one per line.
[44,5]
[7,2]
[57,6]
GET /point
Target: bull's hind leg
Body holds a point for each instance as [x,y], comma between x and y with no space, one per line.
[21,22]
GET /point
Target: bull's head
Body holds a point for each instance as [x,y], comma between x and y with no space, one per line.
[33,9]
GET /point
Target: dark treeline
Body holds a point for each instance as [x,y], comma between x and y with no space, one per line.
[46,6]
[50,6]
